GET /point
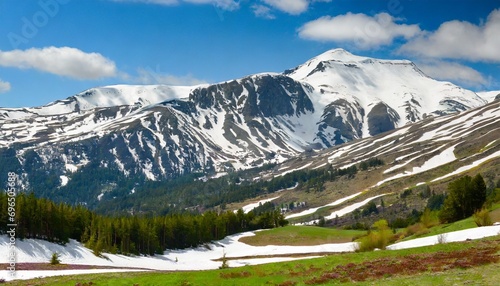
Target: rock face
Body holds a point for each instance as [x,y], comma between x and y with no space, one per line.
[160,132]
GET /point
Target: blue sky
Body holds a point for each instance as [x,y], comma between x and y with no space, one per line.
[52,49]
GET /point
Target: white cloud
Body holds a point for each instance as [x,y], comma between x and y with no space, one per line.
[224,4]
[263,11]
[63,61]
[149,76]
[460,40]
[293,7]
[360,30]
[4,86]
[453,72]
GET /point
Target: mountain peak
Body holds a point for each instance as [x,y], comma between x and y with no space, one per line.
[338,54]
[336,59]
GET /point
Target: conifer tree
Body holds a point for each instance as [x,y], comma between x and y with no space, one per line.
[466,195]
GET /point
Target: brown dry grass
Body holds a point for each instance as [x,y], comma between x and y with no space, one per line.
[410,265]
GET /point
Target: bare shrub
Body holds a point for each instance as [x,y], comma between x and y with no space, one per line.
[442,238]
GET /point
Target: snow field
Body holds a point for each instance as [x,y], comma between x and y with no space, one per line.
[313,210]
[201,258]
[445,157]
[249,207]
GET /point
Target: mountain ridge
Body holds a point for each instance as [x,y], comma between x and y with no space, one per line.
[160,132]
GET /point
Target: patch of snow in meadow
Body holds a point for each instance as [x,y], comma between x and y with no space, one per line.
[313,210]
[461,235]
[251,206]
[201,258]
[345,210]
[351,208]
[293,170]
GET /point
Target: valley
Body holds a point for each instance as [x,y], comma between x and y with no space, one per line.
[181,178]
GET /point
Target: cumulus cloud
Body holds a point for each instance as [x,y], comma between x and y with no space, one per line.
[360,30]
[453,72]
[150,76]
[460,40]
[224,4]
[263,9]
[63,61]
[293,7]
[4,86]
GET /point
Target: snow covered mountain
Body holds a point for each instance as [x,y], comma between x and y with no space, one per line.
[490,96]
[161,132]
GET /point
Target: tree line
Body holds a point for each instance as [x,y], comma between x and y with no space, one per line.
[43,219]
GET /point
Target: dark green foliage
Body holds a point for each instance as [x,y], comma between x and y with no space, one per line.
[372,162]
[435,202]
[54,260]
[466,195]
[44,219]
[399,223]
[161,198]
[321,221]
[370,208]
[405,193]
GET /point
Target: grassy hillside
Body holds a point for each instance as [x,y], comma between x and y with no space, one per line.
[301,235]
[473,262]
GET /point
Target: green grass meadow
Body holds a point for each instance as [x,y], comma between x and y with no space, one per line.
[301,235]
[303,272]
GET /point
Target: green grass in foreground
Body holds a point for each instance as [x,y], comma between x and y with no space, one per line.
[301,235]
[302,271]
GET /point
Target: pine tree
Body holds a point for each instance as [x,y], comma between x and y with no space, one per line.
[54,260]
[465,196]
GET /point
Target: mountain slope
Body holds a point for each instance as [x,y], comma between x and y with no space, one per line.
[431,152]
[161,132]
[377,95]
